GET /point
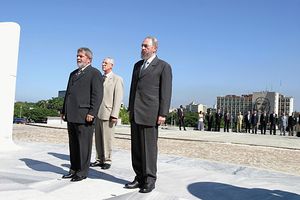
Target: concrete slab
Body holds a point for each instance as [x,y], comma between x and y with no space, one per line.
[35,171]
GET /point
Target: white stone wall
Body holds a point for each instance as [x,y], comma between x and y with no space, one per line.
[9,48]
[55,120]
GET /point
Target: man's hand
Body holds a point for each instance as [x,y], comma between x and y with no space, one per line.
[113,119]
[161,120]
[89,118]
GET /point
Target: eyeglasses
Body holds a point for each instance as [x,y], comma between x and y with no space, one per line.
[146,45]
[81,56]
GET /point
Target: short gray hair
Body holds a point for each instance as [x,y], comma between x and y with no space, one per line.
[154,40]
[111,60]
[87,52]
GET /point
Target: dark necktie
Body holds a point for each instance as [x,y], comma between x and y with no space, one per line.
[144,66]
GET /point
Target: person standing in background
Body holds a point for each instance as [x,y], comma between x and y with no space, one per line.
[181,115]
[273,123]
[218,118]
[263,122]
[227,120]
[283,123]
[108,114]
[292,121]
[200,121]
[209,119]
[254,121]
[240,118]
[247,120]
[298,126]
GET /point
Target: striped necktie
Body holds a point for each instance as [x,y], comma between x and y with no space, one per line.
[144,66]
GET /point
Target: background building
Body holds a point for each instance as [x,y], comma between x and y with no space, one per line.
[260,101]
[285,104]
[193,107]
[235,104]
[62,93]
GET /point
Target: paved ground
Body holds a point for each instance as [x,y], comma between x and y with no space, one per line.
[34,172]
[277,141]
[268,152]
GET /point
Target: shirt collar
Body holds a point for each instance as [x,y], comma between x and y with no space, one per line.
[150,59]
[108,75]
[83,68]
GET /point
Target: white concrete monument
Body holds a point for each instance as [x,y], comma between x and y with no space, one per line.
[9,48]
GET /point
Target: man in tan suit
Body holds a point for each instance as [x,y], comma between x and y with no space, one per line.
[108,115]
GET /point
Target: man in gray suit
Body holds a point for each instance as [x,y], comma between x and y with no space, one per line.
[108,114]
[149,103]
[81,105]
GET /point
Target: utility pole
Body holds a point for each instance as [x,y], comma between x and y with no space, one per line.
[20,114]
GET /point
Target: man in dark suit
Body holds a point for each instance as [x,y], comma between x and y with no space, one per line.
[292,121]
[263,122]
[81,105]
[254,122]
[298,127]
[227,120]
[248,121]
[149,102]
[181,116]
[209,119]
[273,122]
[218,118]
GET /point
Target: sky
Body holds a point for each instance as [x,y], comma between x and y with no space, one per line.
[215,47]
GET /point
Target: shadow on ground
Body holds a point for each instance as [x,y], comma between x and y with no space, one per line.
[42,166]
[60,156]
[220,191]
[47,167]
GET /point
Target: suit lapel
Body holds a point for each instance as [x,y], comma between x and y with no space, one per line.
[149,68]
[77,77]
[109,79]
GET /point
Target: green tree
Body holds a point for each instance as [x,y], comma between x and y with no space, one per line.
[56,103]
[21,109]
[172,118]
[42,104]
[124,115]
[38,111]
[191,119]
[38,114]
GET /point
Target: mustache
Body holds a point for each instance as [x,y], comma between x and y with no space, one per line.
[80,64]
[145,55]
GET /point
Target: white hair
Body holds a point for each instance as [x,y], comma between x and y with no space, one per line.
[110,59]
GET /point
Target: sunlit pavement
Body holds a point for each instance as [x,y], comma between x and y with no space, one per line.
[34,172]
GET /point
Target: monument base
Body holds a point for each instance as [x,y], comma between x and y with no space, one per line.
[8,145]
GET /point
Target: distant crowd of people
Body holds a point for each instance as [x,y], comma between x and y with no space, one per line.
[250,122]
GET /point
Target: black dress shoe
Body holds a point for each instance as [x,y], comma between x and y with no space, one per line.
[147,188]
[78,178]
[69,175]
[96,164]
[134,184]
[105,166]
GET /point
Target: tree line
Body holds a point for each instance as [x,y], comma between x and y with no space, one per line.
[39,111]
